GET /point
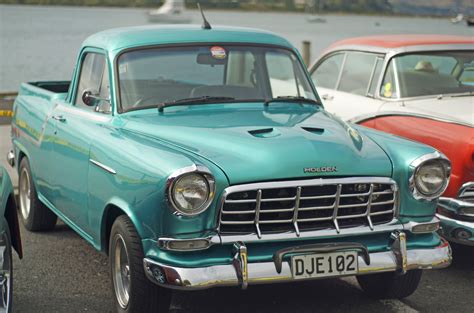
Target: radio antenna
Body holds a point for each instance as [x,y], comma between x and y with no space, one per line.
[205,23]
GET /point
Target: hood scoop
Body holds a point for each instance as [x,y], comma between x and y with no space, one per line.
[314,130]
[265,133]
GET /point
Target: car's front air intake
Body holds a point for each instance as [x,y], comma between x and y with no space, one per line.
[304,205]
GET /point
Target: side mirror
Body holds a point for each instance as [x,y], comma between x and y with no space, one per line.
[91,97]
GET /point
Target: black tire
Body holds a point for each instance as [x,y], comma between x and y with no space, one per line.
[390,285]
[37,217]
[7,280]
[143,295]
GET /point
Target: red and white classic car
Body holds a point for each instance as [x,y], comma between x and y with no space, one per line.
[416,86]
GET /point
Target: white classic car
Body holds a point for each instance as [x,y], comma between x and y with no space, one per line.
[416,86]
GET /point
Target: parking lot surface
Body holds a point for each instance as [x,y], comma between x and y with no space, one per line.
[60,272]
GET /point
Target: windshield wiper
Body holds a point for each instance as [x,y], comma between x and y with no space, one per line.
[195,100]
[291,99]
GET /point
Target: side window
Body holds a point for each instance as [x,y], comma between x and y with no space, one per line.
[356,73]
[389,87]
[327,73]
[375,77]
[91,77]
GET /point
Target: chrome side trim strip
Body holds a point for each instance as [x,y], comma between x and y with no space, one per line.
[102,166]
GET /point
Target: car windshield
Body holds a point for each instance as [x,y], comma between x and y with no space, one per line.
[149,77]
[433,73]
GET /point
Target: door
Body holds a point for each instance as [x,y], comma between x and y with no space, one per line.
[77,126]
[347,82]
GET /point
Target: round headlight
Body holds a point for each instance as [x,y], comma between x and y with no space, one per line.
[430,178]
[192,193]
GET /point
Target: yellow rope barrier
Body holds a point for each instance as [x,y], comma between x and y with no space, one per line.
[7,113]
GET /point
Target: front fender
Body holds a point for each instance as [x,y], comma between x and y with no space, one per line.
[402,153]
[136,184]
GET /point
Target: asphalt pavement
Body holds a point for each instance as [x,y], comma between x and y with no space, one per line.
[60,272]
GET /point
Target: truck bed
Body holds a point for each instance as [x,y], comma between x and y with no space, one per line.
[53,86]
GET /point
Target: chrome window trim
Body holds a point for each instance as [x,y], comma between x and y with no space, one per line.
[303,183]
[339,76]
[397,79]
[414,165]
[367,93]
[197,169]
[323,59]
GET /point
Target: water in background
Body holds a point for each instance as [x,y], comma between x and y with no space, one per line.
[42,42]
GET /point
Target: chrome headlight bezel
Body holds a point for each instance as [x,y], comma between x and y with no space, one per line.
[418,164]
[176,176]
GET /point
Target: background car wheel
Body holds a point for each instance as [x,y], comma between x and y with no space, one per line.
[390,285]
[34,214]
[133,291]
[6,270]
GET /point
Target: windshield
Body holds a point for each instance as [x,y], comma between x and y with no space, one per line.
[433,73]
[152,76]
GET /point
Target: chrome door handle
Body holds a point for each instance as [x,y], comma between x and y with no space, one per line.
[327,97]
[59,118]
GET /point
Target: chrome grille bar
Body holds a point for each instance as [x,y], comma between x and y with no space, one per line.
[369,207]
[296,206]
[257,213]
[336,207]
[295,213]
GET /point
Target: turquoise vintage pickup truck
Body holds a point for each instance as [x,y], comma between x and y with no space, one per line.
[203,157]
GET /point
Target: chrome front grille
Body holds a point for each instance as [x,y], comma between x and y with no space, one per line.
[466,192]
[296,206]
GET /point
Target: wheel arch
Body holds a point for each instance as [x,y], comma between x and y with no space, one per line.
[112,211]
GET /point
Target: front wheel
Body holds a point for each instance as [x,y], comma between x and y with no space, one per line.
[6,270]
[34,214]
[134,292]
[390,285]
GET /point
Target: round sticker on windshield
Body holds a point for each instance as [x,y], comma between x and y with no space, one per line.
[218,52]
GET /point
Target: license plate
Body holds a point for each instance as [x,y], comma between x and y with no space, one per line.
[324,264]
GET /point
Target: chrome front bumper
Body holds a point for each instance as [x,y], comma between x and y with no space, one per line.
[241,273]
[457,223]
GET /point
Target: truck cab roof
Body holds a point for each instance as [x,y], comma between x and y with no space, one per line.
[139,36]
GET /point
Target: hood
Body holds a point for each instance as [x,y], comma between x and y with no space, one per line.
[252,144]
[458,110]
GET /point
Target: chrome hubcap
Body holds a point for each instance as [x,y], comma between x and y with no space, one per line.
[5,275]
[25,193]
[121,271]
